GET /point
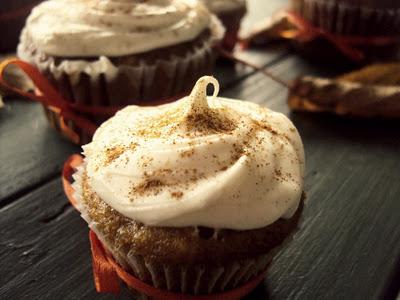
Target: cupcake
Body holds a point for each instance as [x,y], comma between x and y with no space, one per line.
[111,53]
[193,196]
[377,22]
[230,12]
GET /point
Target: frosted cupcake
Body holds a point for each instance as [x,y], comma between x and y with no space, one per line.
[195,196]
[230,12]
[111,53]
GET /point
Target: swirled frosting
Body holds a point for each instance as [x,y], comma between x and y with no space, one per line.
[82,28]
[217,6]
[200,161]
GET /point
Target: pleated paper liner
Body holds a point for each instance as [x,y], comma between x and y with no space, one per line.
[101,83]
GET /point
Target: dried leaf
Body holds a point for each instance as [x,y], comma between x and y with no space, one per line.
[349,94]
[311,40]
[379,74]
[271,29]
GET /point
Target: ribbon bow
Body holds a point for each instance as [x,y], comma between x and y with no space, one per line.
[47,95]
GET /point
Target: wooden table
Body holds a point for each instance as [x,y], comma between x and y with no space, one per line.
[348,246]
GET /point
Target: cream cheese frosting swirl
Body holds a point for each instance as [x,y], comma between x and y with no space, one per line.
[200,161]
[218,6]
[82,28]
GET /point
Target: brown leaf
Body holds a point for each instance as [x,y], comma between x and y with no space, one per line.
[369,92]
[379,74]
[271,29]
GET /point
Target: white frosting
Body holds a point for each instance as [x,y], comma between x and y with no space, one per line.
[218,6]
[81,28]
[200,161]
[103,66]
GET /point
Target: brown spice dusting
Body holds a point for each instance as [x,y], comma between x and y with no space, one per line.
[148,185]
[187,153]
[265,127]
[112,154]
[209,121]
[177,195]
[133,146]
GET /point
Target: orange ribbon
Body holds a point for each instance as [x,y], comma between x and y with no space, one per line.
[107,272]
[47,95]
[305,31]
[69,168]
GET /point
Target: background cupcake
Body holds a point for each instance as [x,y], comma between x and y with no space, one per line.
[352,17]
[194,196]
[111,53]
[230,12]
[377,20]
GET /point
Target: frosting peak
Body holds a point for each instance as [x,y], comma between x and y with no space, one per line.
[199,116]
[198,96]
[200,161]
[84,28]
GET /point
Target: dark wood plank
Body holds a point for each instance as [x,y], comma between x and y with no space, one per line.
[31,152]
[44,248]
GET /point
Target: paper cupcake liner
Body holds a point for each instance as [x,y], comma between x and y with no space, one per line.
[348,19]
[194,279]
[130,84]
[188,279]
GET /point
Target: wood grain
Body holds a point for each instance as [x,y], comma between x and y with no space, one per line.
[30,151]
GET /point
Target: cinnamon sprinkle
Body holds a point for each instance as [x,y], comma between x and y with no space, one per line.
[148,185]
[112,154]
[177,195]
